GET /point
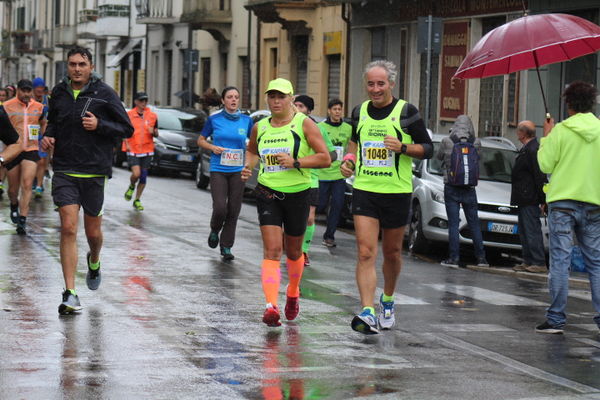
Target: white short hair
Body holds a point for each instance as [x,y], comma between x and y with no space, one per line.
[389,67]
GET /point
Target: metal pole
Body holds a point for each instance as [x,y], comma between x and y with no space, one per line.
[428,70]
[190,67]
[248,88]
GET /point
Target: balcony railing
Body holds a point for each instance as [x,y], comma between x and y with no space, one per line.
[65,36]
[207,11]
[158,11]
[88,15]
[113,10]
[23,41]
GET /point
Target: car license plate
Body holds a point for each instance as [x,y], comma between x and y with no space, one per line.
[185,157]
[502,228]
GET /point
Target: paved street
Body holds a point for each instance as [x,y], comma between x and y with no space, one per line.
[171,321]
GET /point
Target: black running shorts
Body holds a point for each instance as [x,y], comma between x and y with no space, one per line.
[25,155]
[291,212]
[391,209]
[313,197]
[143,162]
[86,192]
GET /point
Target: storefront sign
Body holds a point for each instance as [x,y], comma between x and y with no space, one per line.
[453,92]
[332,42]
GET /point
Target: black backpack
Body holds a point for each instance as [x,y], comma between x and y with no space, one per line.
[464,163]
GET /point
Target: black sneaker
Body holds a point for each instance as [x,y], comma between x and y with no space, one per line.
[547,328]
[93,276]
[450,263]
[226,254]
[213,239]
[70,303]
[14,213]
[21,225]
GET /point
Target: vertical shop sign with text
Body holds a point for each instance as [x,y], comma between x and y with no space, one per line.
[453,92]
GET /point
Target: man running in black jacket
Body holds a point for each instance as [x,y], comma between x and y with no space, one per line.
[85,119]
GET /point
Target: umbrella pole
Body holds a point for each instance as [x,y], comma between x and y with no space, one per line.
[537,69]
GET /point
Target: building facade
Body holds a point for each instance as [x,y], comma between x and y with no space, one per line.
[391,30]
[305,42]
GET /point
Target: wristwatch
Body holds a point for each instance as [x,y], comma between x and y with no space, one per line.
[403,149]
[296,164]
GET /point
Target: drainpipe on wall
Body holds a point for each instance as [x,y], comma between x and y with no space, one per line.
[249,55]
[258,29]
[346,16]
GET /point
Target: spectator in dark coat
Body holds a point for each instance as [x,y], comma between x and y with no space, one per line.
[527,193]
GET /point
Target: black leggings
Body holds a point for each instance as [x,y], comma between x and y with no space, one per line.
[227,190]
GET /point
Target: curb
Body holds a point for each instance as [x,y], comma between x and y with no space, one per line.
[573,281]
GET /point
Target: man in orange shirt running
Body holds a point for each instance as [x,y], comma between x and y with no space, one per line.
[27,117]
[140,147]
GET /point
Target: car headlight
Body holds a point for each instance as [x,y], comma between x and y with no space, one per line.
[160,144]
[437,196]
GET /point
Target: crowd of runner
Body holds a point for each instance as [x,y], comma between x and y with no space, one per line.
[302,167]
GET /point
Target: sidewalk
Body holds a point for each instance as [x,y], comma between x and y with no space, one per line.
[576,279]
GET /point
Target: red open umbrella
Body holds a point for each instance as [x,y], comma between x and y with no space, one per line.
[530,42]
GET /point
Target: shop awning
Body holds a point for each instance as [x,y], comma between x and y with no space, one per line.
[116,60]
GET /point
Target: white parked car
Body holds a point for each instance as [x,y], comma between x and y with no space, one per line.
[498,219]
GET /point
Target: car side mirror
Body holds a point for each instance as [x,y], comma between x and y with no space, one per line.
[416,169]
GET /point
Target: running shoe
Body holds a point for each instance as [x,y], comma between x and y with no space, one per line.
[213,239]
[329,243]
[226,254]
[14,213]
[450,263]
[38,192]
[1,189]
[547,328]
[482,262]
[271,315]
[138,205]
[21,225]
[520,267]
[306,260]
[386,314]
[292,307]
[70,303]
[129,192]
[93,276]
[365,323]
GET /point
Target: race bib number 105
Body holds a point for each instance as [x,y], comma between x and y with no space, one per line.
[269,159]
[374,154]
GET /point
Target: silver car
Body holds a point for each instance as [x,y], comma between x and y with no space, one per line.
[498,219]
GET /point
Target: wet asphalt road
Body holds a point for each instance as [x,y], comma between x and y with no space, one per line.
[171,321]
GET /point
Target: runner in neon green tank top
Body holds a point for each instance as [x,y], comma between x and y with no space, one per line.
[388,133]
[305,104]
[287,145]
[332,184]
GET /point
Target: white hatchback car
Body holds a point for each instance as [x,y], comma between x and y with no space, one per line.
[498,219]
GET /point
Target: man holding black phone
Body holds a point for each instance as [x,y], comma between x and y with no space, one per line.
[85,119]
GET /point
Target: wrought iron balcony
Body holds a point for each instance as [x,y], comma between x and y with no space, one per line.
[113,19]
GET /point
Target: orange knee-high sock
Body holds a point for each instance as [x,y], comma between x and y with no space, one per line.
[271,276]
[295,269]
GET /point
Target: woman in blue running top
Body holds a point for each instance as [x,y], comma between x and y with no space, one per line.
[229,130]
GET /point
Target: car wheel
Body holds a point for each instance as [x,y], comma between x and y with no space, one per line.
[417,243]
[201,179]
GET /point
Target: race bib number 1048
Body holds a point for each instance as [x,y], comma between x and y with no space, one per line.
[374,154]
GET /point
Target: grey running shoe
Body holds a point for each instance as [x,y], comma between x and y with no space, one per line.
[365,323]
[70,303]
[386,314]
[450,263]
[93,277]
[482,262]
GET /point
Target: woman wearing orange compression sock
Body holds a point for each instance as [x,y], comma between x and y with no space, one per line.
[287,145]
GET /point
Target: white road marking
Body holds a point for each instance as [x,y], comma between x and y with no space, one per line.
[486,295]
[348,288]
